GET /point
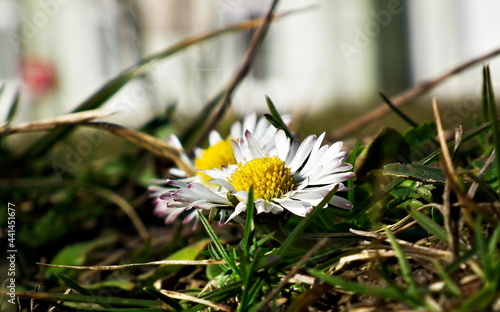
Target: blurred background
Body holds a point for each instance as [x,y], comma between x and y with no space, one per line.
[334,57]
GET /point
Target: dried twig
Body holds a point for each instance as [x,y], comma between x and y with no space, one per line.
[404,98]
[240,74]
[54,123]
[84,119]
[123,266]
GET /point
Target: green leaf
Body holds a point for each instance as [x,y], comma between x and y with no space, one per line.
[364,289]
[388,146]
[76,254]
[415,172]
[190,252]
[275,118]
[426,192]
[418,136]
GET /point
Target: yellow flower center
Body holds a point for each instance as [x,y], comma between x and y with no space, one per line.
[268,175]
[215,157]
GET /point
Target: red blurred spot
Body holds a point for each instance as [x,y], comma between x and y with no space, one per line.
[38,76]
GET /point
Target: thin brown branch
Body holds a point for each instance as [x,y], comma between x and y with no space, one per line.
[149,143]
[240,74]
[405,97]
[54,123]
[83,119]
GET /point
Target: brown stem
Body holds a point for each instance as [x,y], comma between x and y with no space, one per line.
[405,98]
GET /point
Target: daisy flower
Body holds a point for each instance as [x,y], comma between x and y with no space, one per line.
[218,155]
[293,177]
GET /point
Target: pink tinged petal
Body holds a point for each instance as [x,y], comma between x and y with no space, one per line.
[302,153]
[237,151]
[297,207]
[173,214]
[340,202]
[177,183]
[222,215]
[254,147]
[318,193]
[214,137]
[241,207]
[207,194]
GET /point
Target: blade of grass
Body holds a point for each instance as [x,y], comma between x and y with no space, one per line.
[304,223]
[74,285]
[378,196]
[248,234]
[406,271]
[364,289]
[428,224]
[162,297]
[13,107]
[275,118]
[399,112]
[247,266]
[351,159]
[218,245]
[493,116]
[448,281]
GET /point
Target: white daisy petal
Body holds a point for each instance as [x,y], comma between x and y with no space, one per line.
[297,207]
[282,145]
[254,147]
[303,151]
[241,207]
[224,184]
[236,130]
[249,122]
[340,202]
